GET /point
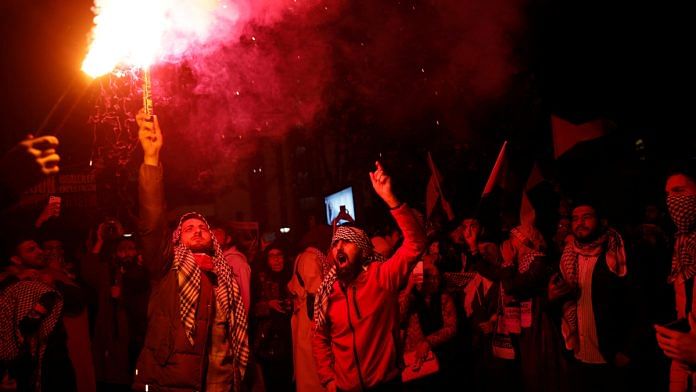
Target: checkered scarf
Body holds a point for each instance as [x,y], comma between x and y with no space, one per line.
[229,300]
[362,241]
[16,302]
[533,246]
[610,242]
[682,209]
[324,262]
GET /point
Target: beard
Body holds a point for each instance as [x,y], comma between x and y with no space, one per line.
[199,245]
[587,235]
[125,261]
[347,269]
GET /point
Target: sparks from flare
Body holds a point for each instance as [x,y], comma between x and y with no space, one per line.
[138,33]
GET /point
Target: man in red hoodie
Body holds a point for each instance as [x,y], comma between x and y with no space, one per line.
[356,309]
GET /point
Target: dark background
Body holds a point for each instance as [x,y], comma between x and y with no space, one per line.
[391,80]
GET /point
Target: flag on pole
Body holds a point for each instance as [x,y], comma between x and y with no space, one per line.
[497,173]
[527,212]
[566,134]
[433,192]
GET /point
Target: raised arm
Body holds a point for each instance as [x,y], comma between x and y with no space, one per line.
[394,271]
[93,268]
[27,163]
[151,195]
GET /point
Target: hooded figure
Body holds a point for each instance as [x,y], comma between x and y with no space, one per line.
[32,338]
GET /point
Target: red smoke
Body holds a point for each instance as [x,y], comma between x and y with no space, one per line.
[391,63]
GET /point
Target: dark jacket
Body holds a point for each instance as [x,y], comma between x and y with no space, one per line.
[120,322]
[621,325]
[168,362]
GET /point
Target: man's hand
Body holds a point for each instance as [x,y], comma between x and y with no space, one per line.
[679,346]
[422,351]
[471,236]
[43,152]
[108,230]
[150,137]
[277,306]
[559,287]
[51,210]
[331,386]
[343,215]
[29,161]
[487,327]
[381,182]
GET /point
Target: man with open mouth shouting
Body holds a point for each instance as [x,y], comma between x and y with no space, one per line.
[356,308]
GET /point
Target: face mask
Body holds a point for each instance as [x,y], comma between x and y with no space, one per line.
[682,209]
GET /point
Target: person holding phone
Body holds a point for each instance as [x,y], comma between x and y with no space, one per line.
[680,190]
[430,317]
[272,309]
[678,340]
[112,269]
[52,210]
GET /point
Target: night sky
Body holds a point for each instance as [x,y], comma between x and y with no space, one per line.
[396,78]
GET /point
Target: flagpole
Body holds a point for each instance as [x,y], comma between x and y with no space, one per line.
[435,174]
[495,172]
[147,92]
[437,180]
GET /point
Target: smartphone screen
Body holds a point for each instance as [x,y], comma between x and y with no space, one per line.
[54,201]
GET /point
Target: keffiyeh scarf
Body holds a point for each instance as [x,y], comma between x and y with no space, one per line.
[362,241]
[609,242]
[227,294]
[682,209]
[16,302]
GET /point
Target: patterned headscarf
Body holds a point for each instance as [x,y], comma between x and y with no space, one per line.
[362,241]
[16,302]
[324,262]
[229,300]
[613,244]
[533,245]
[682,209]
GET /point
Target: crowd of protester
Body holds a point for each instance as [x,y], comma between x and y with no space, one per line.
[591,305]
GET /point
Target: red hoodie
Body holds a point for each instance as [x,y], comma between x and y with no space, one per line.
[357,348]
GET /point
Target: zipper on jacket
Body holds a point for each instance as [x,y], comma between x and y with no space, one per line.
[207,347]
[355,348]
[355,302]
